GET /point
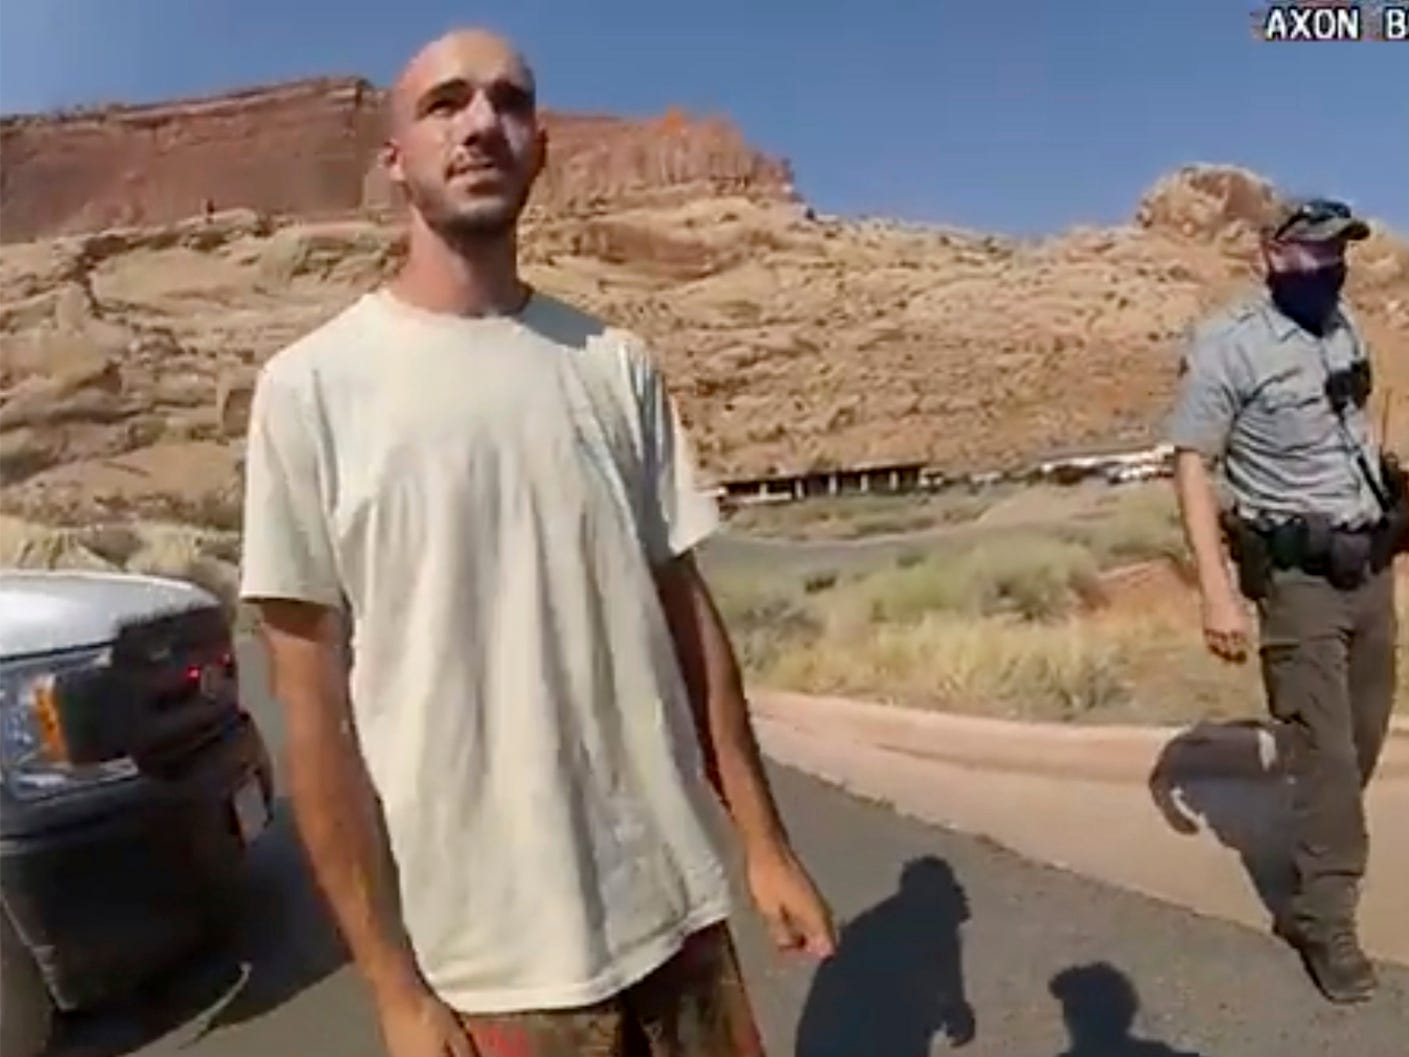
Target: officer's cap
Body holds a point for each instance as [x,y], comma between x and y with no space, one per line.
[1317,220]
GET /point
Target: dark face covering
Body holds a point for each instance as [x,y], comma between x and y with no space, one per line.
[1308,298]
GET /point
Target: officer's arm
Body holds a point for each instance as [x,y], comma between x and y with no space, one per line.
[1204,411]
[1198,509]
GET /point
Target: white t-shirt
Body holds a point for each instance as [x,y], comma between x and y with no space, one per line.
[486,498]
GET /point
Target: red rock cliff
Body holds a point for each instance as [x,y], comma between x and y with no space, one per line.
[309,147]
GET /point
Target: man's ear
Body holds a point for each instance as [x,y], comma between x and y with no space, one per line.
[1271,254]
[389,156]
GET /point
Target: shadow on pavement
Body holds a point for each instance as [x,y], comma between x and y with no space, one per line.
[1249,814]
[1099,1004]
[897,977]
[281,943]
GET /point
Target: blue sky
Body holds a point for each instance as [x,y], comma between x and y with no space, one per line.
[1024,117]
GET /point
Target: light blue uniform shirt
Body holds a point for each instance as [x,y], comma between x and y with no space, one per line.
[1252,395]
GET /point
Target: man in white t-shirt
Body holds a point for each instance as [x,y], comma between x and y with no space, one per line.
[509,796]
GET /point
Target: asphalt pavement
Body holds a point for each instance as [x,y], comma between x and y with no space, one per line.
[944,937]
[736,554]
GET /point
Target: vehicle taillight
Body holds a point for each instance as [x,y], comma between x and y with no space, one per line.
[214,678]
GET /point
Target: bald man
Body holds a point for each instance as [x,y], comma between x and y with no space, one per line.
[515,796]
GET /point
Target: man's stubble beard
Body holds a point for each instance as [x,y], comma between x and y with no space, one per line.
[482,223]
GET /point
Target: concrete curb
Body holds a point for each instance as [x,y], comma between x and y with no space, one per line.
[1125,754]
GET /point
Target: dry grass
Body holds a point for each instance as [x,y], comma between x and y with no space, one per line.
[1130,526]
[1005,627]
[1074,669]
[956,662]
[854,517]
[1143,670]
[218,510]
[765,617]
[204,557]
[1033,576]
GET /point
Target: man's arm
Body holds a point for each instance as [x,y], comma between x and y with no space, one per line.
[1203,417]
[715,684]
[290,573]
[337,813]
[793,909]
[675,517]
[1199,516]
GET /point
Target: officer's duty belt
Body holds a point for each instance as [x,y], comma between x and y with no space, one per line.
[1344,556]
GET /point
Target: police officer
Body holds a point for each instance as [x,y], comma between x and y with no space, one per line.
[1275,458]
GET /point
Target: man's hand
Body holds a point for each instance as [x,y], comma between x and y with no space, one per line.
[419,1024]
[797,917]
[795,913]
[1225,626]
[1224,618]
[957,1022]
[341,826]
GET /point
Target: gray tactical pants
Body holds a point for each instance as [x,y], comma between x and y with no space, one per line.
[1328,665]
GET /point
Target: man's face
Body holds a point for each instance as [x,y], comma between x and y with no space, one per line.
[1306,279]
[1291,258]
[466,145]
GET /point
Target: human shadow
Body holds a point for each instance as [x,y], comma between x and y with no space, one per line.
[278,942]
[1099,1004]
[897,976]
[1221,773]
[288,940]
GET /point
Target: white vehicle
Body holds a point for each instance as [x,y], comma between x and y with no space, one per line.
[133,781]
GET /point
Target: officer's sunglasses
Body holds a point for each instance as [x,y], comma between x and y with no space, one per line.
[1316,211]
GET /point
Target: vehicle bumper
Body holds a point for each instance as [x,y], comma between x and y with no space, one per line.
[114,883]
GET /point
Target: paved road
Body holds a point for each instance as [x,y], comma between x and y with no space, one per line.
[736,553]
[942,932]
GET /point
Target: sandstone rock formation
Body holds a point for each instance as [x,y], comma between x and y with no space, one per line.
[792,342]
[309,149]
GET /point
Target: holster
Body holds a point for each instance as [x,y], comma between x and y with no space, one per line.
[1349,563]
[1251,556]
[1392,536]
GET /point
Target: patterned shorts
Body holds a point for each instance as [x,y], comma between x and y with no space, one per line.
[695,1005]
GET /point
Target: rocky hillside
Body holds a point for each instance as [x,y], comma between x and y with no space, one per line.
[309,149]
[792,341]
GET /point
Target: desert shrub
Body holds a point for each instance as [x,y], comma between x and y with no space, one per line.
[859,515]
[763,616]
[115,543]
[26,545]
[1037,577]
[179,555]
[1137,527]
[1058,671]
[934,583]
[222,509]
[224,546]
